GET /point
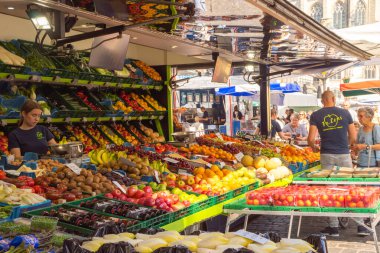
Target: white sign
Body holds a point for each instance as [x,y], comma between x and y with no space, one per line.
[184,172]
[251,236]
[296,146]
[170,160]
[127,162]
[219,136]
[228,142]
[208,165]
[222,164]
[157,176]
[119,186]
[239,156]
[74,168]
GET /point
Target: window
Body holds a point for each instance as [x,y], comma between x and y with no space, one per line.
[360,13]
[340,15]
[317,12]
[370,72]
[336,76]
[296,3]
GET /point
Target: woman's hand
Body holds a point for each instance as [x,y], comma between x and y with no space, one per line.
[358,147]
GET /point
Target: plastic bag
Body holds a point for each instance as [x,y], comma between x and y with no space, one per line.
[73,245]
[274,237]
[318,241]
[241,250]
[121,247]
[107,229]
[175,249]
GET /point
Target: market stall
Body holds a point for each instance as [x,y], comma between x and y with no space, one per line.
[113,173]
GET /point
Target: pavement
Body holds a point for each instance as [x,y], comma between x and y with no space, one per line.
[347,242]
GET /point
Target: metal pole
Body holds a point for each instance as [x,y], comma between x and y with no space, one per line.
[264,81]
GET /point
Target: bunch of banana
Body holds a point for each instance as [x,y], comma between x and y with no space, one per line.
[102,157]
[159,166]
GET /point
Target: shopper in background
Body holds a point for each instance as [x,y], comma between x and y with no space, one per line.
[346,105]
[309,113]
[204,117]
[237,115]
[337,132]
[28,136]
[376,118]
[199,127]
[367,146]
[275,128]
[294,130]
[303,120]
[290,113]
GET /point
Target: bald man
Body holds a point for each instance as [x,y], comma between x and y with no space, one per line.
[337,132]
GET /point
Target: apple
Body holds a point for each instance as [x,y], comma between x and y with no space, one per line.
[175,198]
[141,201]
[168,201]
[131,191]
[149,202]
[181,184]
[300,203]
[171,176]
[249,202]
[148,189]
[139,194]
[122,197]
[352,205]
[108,195]
[290,199]
[154,196]
[116,193]
[159,201]
[190,181]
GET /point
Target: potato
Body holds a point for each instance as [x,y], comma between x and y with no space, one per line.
[80,178]
[89,180]
[96,179]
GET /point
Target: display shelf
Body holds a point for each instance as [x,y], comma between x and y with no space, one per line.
[302,179]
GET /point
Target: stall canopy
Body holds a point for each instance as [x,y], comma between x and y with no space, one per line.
[287,88]
[360,88]
[244,90]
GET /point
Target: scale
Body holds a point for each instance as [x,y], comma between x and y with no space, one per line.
[72,152]
[183,139]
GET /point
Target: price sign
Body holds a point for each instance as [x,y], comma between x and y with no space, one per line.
[184,172]
[239,156]
[74,168]
[251,236]
[116,183]
[127,162]
[298,147]
[157,176]
[222,164]
[219,136]
[208,165]
[170,160]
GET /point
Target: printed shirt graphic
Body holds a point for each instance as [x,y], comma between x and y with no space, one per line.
[332,124]
[33,140]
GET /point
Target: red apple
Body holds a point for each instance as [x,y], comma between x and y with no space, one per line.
[108,195]
[123,197]
[116,193]
[148,189]
[149,202]
[139,194]
[131,191]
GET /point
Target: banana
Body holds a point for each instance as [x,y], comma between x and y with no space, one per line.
[105,157]
[99,156]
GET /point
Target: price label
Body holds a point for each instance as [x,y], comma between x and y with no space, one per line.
[157,176]
[127,162]
[228,143]
[296,146]
[260,151]
[239,156]
[222,164]
[116,183]
[278,150]
[170,160]
[184,172]
[118,173]
[74,168]
[251,236]
[208,165]
[219,136]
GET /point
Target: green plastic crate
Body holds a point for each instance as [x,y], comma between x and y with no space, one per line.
[224,197]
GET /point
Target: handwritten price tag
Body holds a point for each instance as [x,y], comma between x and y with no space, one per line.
[251,236]
[74,168]
[116,183]
[157,176]
[184,172]
[208,165]
[170,160]
[219,136]
[239,156]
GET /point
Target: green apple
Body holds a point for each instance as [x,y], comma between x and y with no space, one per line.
[153,185]
[176,191]
[141,186]
[161,187]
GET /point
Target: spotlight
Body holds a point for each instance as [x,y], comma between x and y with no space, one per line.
[39,19]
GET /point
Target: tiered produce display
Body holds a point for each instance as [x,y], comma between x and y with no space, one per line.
[129,179]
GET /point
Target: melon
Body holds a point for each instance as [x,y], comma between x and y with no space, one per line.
[247,160]
[273,163]
[259,161]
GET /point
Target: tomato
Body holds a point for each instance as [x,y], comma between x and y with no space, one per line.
[2,174]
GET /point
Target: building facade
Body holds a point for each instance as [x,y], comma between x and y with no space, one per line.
[338,14]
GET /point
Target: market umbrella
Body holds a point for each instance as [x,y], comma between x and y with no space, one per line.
[244,90]
[360,88]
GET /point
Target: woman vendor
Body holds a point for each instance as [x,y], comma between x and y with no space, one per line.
[28,136]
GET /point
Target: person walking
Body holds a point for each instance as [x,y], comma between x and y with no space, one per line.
[337,133]
[367,146]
